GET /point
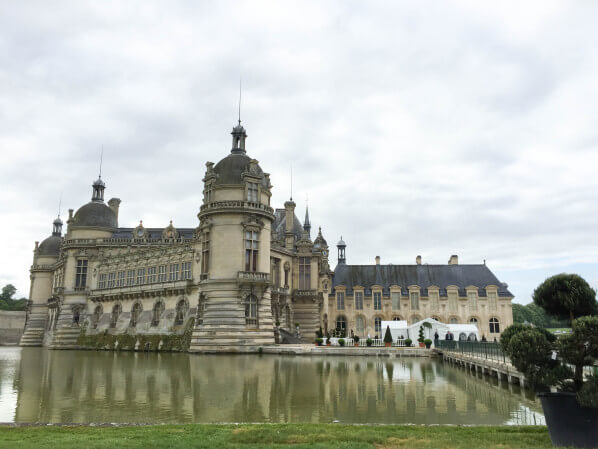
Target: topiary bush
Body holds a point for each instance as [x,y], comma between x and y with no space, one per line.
[387,335]
[341,342]
[408,342]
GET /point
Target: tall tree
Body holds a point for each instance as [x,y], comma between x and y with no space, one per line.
[567,296]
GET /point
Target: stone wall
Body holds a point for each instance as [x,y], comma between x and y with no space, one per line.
[11,327]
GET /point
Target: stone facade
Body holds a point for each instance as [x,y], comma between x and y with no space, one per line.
[244,272]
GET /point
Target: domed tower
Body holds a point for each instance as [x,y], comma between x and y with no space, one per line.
[45,256]
[92,221]
[233,245]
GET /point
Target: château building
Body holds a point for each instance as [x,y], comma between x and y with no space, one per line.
[245,274]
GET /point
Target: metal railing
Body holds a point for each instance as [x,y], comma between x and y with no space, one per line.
[376,342]
[483,350]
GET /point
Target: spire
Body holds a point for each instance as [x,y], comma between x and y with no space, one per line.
[98,186]
[238,133]
[306,223]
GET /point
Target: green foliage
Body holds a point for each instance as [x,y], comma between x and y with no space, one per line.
[566,296]
[512,330]
[530,352]
[356,339]
[319,333]
[421,334]
[427,325]
[369,342]
[588,394]
[341,342]
[387,335]
[533,314]
[8,303]
[147,342]
[427,342]
[580,348]
[319,341]
[408,342]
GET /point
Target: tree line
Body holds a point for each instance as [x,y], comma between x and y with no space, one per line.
[7,302]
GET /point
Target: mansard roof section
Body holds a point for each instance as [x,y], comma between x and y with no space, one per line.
[279,225]
[424,276]
[152,233]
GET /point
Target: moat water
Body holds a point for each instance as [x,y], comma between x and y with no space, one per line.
[38,385]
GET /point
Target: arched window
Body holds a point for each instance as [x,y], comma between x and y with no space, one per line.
[116,310]
[437,318]
[473,320]
[181,311]
[462,336]
[472,337]
[135,312]
[397,318]
[157,312]
[377,325]
[494,326]
[95,318]
[360,325]
[454,320]
[251,310]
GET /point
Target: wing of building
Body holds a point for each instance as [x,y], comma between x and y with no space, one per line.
[244,276]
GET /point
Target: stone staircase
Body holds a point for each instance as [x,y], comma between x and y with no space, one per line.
[35,327]
[307,314]
[66,333]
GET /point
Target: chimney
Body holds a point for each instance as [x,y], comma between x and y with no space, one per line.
[418,260]
[114,204]
[454,260]
[289,236]
[377,260]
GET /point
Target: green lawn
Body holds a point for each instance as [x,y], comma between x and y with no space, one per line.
[275,436]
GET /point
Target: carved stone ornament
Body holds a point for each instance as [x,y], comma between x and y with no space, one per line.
[252,223]
[140,232]
[170,232]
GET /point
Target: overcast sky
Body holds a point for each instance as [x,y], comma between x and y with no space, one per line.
[430,128]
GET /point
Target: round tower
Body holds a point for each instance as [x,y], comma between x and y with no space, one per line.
[233,247]
[43,278]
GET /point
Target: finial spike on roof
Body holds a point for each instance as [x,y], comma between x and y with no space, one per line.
[101,160]
[239,100]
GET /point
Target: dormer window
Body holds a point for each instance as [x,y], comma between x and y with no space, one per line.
[252,192]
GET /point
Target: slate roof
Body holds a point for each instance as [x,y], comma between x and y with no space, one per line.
[423,276]
[230,169]
[279,225]
[95,213]
[153,233]
[50,246]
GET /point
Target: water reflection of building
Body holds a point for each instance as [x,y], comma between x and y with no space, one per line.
[135,387]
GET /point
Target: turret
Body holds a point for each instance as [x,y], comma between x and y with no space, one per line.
[341,245]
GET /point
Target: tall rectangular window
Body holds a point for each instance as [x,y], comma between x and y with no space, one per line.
[252,192]
[340,300]
[358,301]
[111,280]
[81,274]
[473,301]
[452,301]
[174,272]
[208,194]
[186,270]
[121,279]
[151,275]
[434,303]
[162,273]
[130,277]
[492,301]
[396,300]
[304,273]
[141,276]
[102,280]
[414,300]
[377,300]
[205,253]
[251,249]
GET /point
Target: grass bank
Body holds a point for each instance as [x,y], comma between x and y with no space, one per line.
[275,436]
